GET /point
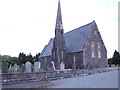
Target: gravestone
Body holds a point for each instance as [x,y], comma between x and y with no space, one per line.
[28,67]
[52,66]
[37,66]
[18,69]
[22,68]
[4,67]
[10,69]
[15,67]
[62,66]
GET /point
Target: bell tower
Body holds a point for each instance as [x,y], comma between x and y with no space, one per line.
[59,48]
[59,25]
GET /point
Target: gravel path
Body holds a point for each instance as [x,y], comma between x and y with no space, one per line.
[102,80]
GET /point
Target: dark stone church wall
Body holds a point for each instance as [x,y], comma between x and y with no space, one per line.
[78,60]
[104,62]
[68,62]
[89,61]
[45,62]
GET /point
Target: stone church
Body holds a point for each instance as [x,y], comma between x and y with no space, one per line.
[80,48]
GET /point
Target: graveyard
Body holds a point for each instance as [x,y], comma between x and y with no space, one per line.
[32,76]
[24,68]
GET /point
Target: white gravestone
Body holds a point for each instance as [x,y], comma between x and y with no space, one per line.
[28,67]
[62,66]
[53,65]
[37,66]
[15,67]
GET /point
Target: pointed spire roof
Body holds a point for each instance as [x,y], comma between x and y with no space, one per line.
[59,17]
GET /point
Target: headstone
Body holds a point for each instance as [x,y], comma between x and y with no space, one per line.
[15,67]
[22,68]
[39,65]
[18,69]
[10,69]
[62,66]
[36,66]
[28,67]
[113,65]
[52,66]
[4,67]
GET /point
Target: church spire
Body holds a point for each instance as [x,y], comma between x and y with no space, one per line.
[59,18]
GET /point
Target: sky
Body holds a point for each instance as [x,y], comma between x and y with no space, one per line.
[27,25]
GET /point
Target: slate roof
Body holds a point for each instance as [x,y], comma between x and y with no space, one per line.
[74,40]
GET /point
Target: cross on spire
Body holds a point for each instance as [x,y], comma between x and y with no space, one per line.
[59,17]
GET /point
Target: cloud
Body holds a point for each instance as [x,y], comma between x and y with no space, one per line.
[28,25]
[3,27]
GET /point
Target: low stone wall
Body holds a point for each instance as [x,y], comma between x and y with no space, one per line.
[8,79]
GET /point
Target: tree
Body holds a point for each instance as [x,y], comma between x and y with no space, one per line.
[22,58]
[115,59]
[110,62]
[116,54]
[30,58]
[37,56]
[13,60]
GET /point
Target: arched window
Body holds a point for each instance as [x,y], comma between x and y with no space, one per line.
[74,62]
[99,51]
[61,32]
[62,54]
[45,59]
[74,59]
[39,65]
[57,51]
[93,50]
[54,53]
[58,58]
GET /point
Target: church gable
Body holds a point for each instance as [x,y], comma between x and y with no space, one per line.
[74,40]
[94,37]
[94,51]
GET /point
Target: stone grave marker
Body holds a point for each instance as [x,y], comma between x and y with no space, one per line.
[22,68]
[28,67]
[37,66]
[4,67]
[62,66]
[15,67]
[18,68]
[52,66]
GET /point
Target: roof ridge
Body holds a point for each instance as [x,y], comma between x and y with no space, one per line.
[80,27]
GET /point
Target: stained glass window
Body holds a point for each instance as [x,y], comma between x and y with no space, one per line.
[99,51]
[93,50]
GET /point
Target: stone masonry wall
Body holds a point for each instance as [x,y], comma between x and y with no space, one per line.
[95,39]
[48,76]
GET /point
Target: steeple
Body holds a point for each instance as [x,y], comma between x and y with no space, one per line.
[59,47]
[59,18]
